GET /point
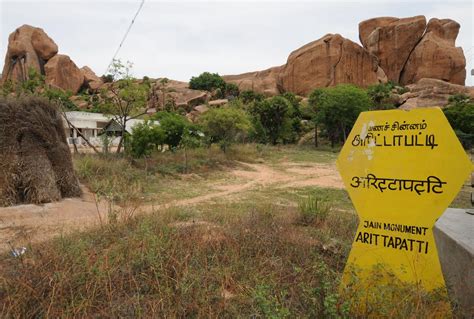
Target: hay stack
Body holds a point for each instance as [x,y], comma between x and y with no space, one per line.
[35,161]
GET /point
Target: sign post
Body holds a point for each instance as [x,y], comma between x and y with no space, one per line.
[401,169]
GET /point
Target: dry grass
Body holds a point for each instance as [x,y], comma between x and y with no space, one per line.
[250,257]
[35,162]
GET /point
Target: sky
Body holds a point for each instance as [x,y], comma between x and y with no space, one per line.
[181,39]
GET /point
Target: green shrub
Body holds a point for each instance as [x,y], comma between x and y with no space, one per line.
[337,109]
[272,116]
[207,81]
[251,96]
[173,125]
[313,210]
[145,138]
[225,126]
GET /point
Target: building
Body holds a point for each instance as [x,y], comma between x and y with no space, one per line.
[93,126]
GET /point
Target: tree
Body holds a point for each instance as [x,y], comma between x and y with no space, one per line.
[225,126]
[380,95]
[208,82]
[273,115]
[145,138]
[295,128]
[460,114]
[126,98]
[191,138]
[173,126]
[231,90]
[337,109]
[248,97]
[313,112]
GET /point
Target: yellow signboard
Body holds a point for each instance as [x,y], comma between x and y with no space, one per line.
[401,169]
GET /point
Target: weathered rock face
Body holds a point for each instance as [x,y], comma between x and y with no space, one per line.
[432,92]
[329,61]
[28,47]
[61,72]
[176,92]
[436,55]
[392,40]
[91,80]
[266,82]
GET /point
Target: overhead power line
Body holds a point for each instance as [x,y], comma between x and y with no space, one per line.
[125,35]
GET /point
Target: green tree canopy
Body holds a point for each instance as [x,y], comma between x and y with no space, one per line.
[460,114]
[145,138]
[272,116]
[225,126]
[337,109]
[173,126]
[207,81]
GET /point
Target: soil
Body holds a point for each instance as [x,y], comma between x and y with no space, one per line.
[34,223]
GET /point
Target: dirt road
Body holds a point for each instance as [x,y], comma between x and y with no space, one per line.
[32,223]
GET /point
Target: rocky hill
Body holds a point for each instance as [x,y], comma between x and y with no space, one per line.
[419,55]
[31,48]
[399,50]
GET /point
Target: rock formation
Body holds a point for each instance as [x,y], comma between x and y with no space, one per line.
[392,40]
[62,73]
[28,48]
[436,55]
[329,61]
[176,92]
[35,161]
[400,50]
[91,80]
[432,92]
[266,82]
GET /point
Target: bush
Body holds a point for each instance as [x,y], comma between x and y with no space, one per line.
[313,210]
[231,90]
[250,96]
[460,114]
[337,108]
[272,116]
[145,138]
[173,126]
[225,126]
[208,82]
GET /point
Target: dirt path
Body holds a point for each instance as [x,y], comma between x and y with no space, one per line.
[33,223]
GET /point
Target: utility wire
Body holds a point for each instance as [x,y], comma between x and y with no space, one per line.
[125,36]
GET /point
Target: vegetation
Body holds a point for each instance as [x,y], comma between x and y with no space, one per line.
[213,82]
[337,109]
[272,118]
[173,126]
[126,98]
[225,126]
[207,81]
[460,114]
[146,137]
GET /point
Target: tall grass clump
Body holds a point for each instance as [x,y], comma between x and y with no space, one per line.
[313,210]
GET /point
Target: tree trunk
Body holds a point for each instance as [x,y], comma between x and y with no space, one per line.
[316,144]
[119,147]
[185,161]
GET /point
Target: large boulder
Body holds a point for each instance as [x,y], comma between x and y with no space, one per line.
[392,40]
[432,92]
[91,80]
[176,92]
[28,48]
[436,55]
[266,82]
[61,72]
[327,62]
